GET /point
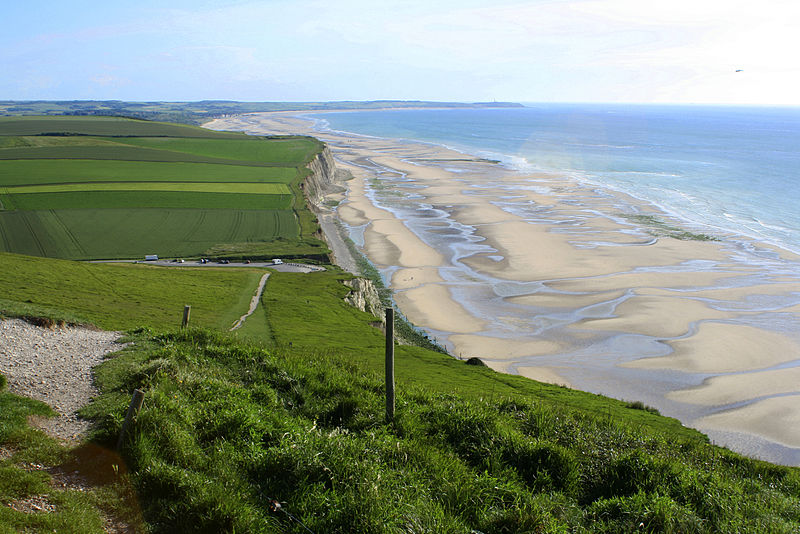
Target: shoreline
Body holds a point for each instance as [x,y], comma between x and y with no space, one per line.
[538,275]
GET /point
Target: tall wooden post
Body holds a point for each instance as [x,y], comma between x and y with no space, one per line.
[390,364]
[186,311]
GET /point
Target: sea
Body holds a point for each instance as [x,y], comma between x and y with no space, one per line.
[727,170]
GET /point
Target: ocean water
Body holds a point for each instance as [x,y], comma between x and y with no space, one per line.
[719,169]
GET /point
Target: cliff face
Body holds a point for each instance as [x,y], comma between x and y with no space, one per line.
[322,179]
[364,296]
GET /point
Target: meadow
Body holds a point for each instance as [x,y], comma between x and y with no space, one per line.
[84,233]
[306,429]
[107,188]
[123,296]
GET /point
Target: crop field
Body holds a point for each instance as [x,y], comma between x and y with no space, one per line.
[202,187]
[131,232]
[50,171]
[108,188]
[145,199]
[279,151]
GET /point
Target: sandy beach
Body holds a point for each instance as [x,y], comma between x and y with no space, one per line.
[547,277]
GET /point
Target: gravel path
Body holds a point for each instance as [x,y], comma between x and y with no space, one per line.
[253,303]
[54,365]
[333,236]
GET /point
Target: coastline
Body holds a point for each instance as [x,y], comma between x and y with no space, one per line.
[538,275]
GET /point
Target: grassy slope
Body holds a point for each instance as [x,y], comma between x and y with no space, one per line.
[123,296]
[308,312]
[306,428]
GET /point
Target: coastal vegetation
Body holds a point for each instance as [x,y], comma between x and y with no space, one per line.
[305,428]
[281,428]
[659,228]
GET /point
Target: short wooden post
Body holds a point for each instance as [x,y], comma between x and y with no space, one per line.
[186,311]
[390,364]
[133,411]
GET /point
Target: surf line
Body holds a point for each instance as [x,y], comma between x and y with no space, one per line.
[253,303]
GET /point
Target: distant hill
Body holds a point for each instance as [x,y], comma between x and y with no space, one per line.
[202,111]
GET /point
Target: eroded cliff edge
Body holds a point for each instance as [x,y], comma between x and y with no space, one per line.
[324,190]
[322,181]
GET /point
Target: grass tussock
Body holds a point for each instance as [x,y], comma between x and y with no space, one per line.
[227,427]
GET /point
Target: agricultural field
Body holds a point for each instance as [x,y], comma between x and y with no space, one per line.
[112,188]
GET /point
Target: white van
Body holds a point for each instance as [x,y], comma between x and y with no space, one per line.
[276,261]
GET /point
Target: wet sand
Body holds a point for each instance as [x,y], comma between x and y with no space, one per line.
[547,277]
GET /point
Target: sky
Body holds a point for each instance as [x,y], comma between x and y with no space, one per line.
[673,51]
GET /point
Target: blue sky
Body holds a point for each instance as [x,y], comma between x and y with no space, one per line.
[465,50]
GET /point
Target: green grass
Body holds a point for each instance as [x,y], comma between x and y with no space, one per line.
[288,152]
[104,149]
[306,427]
[256,327]
[123,296]
[104,188]
[122,199]
[51,171]
[84,234]
[197,187]
[301,248]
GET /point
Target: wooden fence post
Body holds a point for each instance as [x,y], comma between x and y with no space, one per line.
[186,311]
[133,410]
[390,364]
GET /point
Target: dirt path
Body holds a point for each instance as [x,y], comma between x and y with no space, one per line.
[253,303]
[54,365]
